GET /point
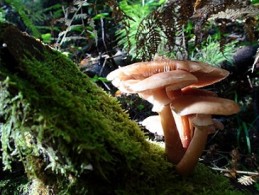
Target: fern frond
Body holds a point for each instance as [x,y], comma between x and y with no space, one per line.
[212,53]
[134,37]
[22,11]
[81,16]
[73,38]
[246,180]
[208,8]
[149,38]
[233,14]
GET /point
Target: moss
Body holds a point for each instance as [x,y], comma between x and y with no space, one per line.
[76,138]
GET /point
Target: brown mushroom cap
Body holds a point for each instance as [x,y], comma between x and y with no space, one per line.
[174,80]
[205,73]
[154,88]
[152,79]
[186,105]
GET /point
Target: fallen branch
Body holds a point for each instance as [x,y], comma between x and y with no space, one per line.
[237,171]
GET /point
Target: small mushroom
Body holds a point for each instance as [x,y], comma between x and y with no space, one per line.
[199,109]
[153,124]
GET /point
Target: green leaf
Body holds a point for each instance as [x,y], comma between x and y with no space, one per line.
[101,15]
[255,1]
[98,78]
[46,38]
[2,16]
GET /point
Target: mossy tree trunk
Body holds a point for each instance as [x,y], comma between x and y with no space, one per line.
[70,136]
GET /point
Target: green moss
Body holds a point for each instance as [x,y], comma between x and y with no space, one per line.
[76,139]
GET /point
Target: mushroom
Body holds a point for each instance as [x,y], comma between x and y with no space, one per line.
[153,124]
[184,127]
[146,78]
[154,90]
[199,109]
[161,81]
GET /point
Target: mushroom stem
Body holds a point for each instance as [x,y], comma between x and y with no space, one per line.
[186,139]
[182,122]
[193,152]
[173,145]
[187,132]
[183,128]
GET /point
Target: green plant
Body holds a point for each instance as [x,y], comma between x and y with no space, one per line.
[243,133]
[2,15]
[212,52]
[59,24]
[22,10]
[46,38]
[16,186]
[98,78]
[166,29]
[46,20]
[74,22]
[16,139]
[244,127]
[136,14]
[255,1]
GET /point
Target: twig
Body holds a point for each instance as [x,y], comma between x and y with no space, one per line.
[240,172]
[256,60]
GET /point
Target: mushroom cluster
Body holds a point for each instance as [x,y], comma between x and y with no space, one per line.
[185,111]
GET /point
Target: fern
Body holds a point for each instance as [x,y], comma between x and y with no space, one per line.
[213,53]
[233,14]
[71,25]
[163,30]
[248,180]
[22,11]
[129,36]
[14,111]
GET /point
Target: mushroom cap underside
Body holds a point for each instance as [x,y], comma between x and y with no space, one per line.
[197,92]
[205,73]
[175,79]
[186,105]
